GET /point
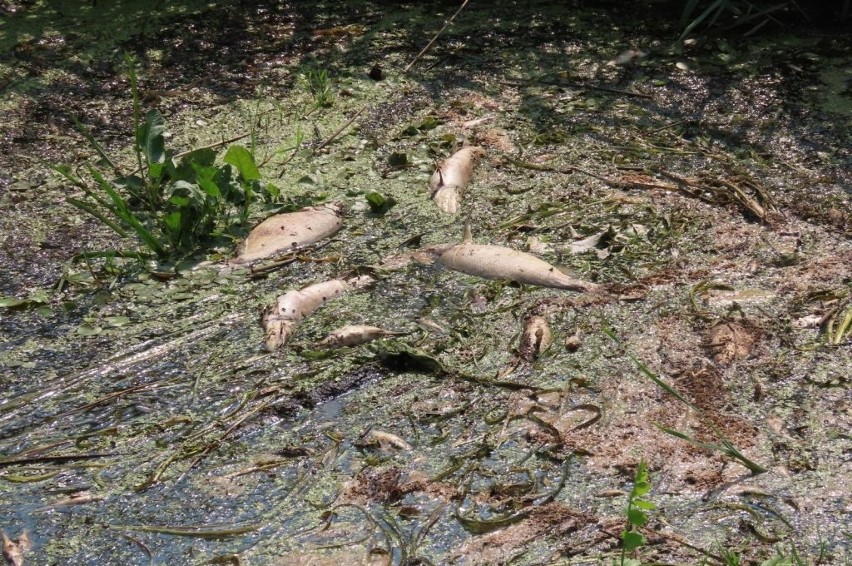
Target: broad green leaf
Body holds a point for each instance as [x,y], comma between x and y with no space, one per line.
[203,157]
[149,137]
[12,302]
[157,171]
[179,201]
[242,159]
[777,561]
[172,221]
[379,204]
[632,541]
[636,517]
[210,188]
[642,504]
[640,488]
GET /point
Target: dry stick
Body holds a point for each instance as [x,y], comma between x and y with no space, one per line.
[524,82]
[670,125]
[566,171]
[339,131]
[440,31]
[212,145]
[613,90]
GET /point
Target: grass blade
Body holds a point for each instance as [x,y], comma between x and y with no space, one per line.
[94,143]
[93,210]
[122,210]
[718,6]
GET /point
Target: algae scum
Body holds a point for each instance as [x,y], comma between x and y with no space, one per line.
[704,185]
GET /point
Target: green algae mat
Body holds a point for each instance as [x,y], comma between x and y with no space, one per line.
[701,187]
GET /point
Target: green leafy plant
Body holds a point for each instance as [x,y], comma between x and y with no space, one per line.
[172,202]
[637,517]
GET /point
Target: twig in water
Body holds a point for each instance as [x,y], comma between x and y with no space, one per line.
[440,31]
[670,125]
[338,132]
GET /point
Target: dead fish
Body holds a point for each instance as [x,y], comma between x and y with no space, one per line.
[498,262]
[13,551]
[628,56]
[353,335]
[423,256]
[386,440]
[452,176]
[289,231]
[536,338]
[282,317]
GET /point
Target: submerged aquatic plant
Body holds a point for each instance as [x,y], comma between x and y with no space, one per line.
[174,201]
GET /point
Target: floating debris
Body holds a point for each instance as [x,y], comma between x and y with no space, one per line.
[573,342]
[282,317]
[498,262]
[290,231]
[536,338]
[452,176]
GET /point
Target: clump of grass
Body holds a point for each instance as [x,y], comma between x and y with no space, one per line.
[173,202]
[317,82]
[755,14]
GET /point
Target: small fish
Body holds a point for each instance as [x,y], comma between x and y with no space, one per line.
[536,338]
[282,317]
[353,335]
[628,56]
[498,262]
[289,231]
[452,176]
[387,440]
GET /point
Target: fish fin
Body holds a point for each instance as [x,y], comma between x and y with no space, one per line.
[468,236]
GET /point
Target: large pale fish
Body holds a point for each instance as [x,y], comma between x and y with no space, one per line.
[452,176]
[282,317]
[289,231]
[498,262]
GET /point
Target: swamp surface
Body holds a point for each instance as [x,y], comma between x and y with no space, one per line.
[709,181]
